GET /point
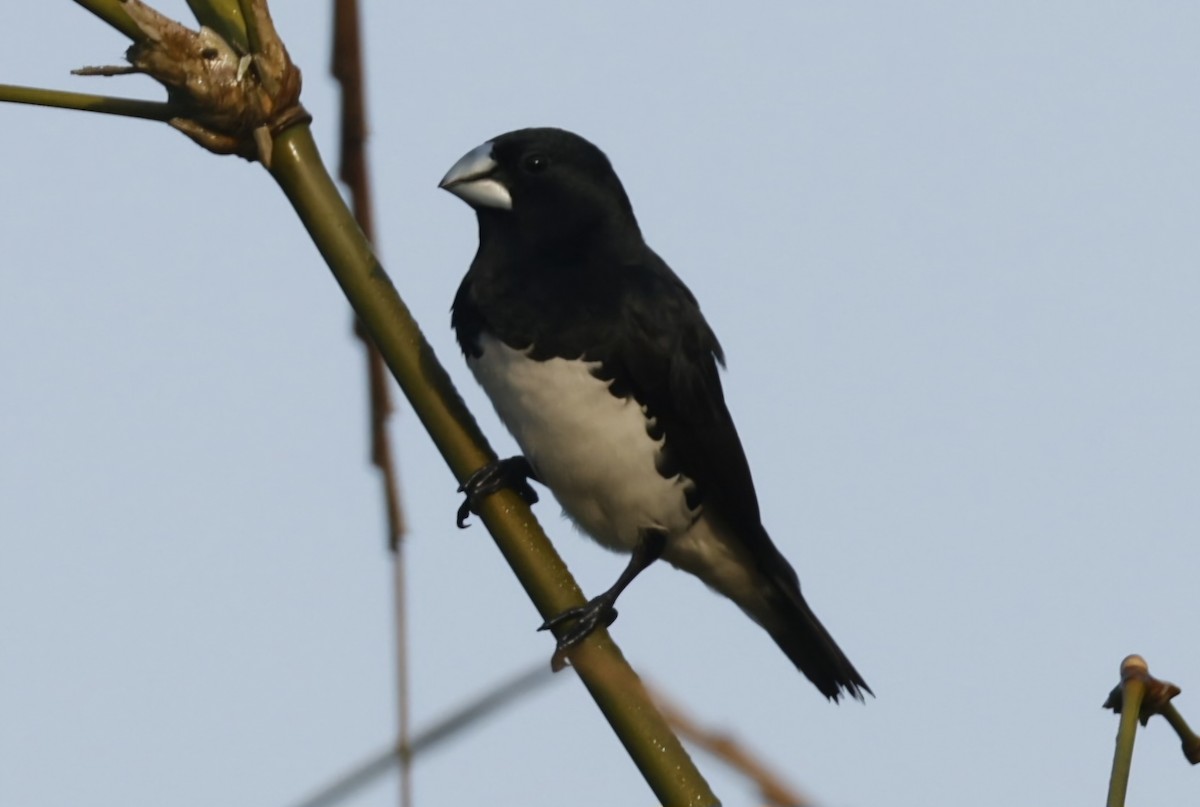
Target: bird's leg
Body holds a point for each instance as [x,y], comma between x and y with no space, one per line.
[599,610]
[513,473]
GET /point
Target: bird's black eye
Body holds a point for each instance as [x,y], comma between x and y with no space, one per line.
[535,163]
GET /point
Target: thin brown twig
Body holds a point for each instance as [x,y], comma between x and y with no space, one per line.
[773,789]
[353,172]
[370,770]
[399,598]
[347,69]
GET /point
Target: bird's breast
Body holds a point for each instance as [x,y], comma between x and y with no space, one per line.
[592,448]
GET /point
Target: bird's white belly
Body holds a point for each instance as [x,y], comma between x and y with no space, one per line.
[590,447]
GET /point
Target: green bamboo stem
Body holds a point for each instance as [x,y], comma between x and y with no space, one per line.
[224,17]
[618,692]
[85,102]
[1133,689]
[251,23]
[112,12]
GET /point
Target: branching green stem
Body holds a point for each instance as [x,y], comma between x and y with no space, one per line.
[252,37]
[85,102]
[225,17]
[1187,738]
[618,692]
[111,12]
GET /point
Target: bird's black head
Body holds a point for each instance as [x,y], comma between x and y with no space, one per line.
[544,190]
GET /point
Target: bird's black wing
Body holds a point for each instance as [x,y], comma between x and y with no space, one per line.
[670,357]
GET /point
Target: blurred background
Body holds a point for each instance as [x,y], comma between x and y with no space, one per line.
[951,252]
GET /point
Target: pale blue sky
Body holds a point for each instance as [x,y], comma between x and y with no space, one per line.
[950,249]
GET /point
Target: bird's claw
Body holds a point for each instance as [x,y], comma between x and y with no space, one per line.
[513,473]
[598,613]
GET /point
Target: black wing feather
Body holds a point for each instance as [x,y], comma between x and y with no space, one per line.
[669,356]
[638,319]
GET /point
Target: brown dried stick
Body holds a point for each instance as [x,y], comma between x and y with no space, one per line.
[774,790]
[347,69]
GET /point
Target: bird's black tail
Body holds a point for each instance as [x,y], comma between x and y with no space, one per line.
[798,632]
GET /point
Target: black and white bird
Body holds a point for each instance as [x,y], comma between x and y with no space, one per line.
[598,360]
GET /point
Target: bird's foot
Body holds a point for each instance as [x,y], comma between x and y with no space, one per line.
[513,473]
[598,613]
